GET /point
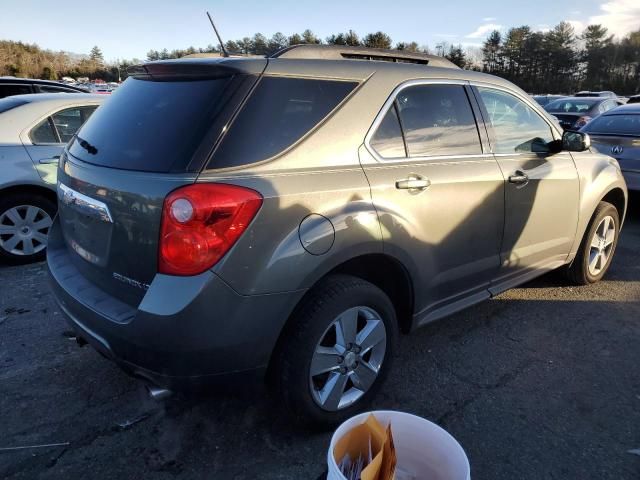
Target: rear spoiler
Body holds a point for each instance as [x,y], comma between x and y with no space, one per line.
[197,68]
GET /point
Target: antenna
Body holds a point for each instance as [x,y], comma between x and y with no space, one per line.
[224,50]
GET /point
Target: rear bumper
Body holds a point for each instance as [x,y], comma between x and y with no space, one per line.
[187,331]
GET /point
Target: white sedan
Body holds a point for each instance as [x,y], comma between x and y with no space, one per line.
[33,132]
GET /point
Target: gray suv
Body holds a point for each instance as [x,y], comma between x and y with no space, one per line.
[288,216]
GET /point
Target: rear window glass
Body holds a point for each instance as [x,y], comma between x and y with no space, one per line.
[151,126]
[7,104]
[614,125]
[570,106]
[279,113]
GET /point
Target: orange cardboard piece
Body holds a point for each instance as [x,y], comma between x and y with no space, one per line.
[355,443]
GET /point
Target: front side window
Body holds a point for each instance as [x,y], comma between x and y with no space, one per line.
[516,127]
[438,120]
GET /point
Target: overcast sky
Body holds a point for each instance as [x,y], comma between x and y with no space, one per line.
[129,29]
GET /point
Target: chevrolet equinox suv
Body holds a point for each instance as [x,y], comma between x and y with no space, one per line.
[286,217]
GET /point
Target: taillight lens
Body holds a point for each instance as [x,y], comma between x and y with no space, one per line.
[200,223]
[582,121]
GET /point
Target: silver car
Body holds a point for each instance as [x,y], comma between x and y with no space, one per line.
[33,132]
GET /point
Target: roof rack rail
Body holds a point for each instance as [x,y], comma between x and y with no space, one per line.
[343,52]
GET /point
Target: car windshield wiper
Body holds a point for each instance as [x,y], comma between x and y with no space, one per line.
[87,146]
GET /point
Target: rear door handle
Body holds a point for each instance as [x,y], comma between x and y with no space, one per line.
[519,178]
[413,183]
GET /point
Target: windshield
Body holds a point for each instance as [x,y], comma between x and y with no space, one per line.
[628,124]
[573,105]
[150,126]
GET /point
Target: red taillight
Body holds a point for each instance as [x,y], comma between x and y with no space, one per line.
[200,223]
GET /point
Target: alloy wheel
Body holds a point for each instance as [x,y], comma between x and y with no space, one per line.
[601,245]
[24,229]
[347,359]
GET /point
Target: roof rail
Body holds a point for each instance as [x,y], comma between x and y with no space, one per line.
[343,52]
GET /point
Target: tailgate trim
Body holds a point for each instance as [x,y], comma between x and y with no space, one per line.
[83,203]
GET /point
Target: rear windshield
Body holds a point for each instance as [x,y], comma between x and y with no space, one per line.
[571,106]
[279,112]
[7,104]
[151,126]
[614,125]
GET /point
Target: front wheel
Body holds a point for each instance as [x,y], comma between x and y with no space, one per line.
[598,246]
[337,350]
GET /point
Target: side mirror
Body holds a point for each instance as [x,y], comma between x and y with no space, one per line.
[575,141]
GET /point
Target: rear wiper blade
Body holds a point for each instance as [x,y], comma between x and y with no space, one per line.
[87,146]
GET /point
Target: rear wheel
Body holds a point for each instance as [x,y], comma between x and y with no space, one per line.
[24,225]
[337,350]
[597,248]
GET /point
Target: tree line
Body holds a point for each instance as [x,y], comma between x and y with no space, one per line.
[556,61]
[561,61]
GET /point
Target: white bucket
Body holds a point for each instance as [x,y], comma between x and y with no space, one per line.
[423,449]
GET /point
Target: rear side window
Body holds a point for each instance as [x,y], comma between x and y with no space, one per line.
[43,133]
[153,126]
[54,89]
[68,121]
[278,113]
[438,120]
[61,126]
[387,141]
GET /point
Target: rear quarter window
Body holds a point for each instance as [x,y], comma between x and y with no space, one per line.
[278,113]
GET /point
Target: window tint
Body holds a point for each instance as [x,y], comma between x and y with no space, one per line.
[279,112]
[14,89]
[68,121]
[438,120]
[43,132]
[516,127]
[149,125]
[628,124]
[387,140]
[54,89]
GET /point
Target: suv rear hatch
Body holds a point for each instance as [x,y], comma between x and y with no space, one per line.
[152,136]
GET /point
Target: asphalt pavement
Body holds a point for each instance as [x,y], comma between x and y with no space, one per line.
[542,382]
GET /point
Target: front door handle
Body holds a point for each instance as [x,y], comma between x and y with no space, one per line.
[519,178]
[413,183]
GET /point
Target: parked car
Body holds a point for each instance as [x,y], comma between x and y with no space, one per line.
[545,99]
[311,206]
[574,113]
[603,94]
[617,134]
[20,86]
[33,132]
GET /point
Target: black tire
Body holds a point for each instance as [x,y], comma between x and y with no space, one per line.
[578,271]
[17,199]
[318,310]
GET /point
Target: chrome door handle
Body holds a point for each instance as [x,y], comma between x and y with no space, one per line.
[519,178]
[413,183]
